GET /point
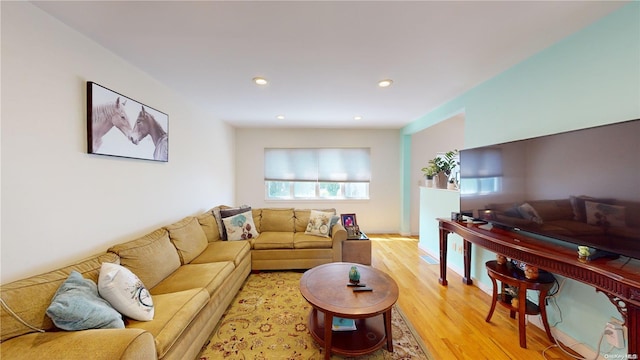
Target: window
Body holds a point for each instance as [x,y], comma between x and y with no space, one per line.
[310,173]
[481,173]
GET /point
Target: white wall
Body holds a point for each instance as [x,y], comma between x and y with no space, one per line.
[425,145]
[379,214]
[61,204]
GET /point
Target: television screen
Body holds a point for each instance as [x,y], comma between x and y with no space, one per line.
[580,187]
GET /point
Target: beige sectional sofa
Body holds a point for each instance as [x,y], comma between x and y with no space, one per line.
[283,244]
[192,276]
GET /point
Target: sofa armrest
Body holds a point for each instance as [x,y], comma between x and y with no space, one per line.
[338,236]
[107,344]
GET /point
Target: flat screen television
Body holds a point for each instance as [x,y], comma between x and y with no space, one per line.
[580,187]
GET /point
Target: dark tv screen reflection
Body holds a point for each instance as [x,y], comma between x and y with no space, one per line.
[580,187]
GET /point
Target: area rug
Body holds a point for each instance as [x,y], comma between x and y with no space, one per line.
[267,320]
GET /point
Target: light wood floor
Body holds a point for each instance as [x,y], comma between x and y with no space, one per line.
[451,320]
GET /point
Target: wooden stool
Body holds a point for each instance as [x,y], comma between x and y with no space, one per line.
[508,274]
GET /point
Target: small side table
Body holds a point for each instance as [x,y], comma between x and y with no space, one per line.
[508,274]
[357,250]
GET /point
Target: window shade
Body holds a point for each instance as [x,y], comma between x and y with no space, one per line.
[481,163]
[325,165]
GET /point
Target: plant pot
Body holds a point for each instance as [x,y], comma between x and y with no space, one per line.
[451,186]
[428,182]
[441,180]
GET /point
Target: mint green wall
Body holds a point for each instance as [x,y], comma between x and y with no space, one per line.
[590,78]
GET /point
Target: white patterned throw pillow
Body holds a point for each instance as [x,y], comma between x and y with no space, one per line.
[319,223]
[125,292]
[240,226]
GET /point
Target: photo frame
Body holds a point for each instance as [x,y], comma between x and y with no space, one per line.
[120,126]
[348,220]
[353,232]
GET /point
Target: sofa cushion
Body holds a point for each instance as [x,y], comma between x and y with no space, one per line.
[605,215]
[174,312]
[551,210]
[527,211]
[188,237]
[633,213]
[234,251]
[191,276]
[302,218]
[30,297]
[216,214]
[240,226]
[573,228]
[77,306]
[273,240]
[281,220]
[151,257]
[305,241]
[125,292]
[103,344]
[209,226]
[577,205]
[319,223]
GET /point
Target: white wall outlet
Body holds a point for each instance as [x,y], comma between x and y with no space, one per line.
[614,335]
[625,330]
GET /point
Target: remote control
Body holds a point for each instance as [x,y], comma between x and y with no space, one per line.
[358,289]
[356,285]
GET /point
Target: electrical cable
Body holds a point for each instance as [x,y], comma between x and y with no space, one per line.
[8,309]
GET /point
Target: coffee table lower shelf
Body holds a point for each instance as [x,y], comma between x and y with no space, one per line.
[368,337]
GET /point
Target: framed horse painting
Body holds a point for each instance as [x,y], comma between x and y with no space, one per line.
[120,126]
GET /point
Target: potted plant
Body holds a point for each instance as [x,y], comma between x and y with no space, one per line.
[429,172]
[444,165]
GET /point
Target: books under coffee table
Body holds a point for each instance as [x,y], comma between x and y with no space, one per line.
[343,324]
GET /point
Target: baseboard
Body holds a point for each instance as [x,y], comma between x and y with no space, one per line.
[565,339]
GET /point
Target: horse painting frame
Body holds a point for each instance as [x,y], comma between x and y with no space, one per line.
[120,126]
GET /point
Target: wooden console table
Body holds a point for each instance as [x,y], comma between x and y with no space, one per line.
[618,279]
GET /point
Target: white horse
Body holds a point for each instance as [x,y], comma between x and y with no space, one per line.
[145,125]
[104,117]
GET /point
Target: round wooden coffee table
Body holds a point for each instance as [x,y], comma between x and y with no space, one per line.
[325,288]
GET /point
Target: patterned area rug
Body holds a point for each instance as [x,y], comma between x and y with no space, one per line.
[268,321]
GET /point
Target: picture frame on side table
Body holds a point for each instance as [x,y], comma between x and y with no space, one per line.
[348,220]
[120,126]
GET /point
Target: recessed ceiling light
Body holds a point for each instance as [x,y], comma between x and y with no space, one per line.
[357,117]
[280,117]
[260,81]
[385,83]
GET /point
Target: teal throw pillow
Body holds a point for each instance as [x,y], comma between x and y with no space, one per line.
[77,306]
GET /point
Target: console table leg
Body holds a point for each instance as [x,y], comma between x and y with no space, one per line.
[467,263]
[443,257]
[633,325]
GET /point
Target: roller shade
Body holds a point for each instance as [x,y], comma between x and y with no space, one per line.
[481,163]
[324,165]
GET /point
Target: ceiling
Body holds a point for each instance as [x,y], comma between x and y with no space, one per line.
[323,59]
